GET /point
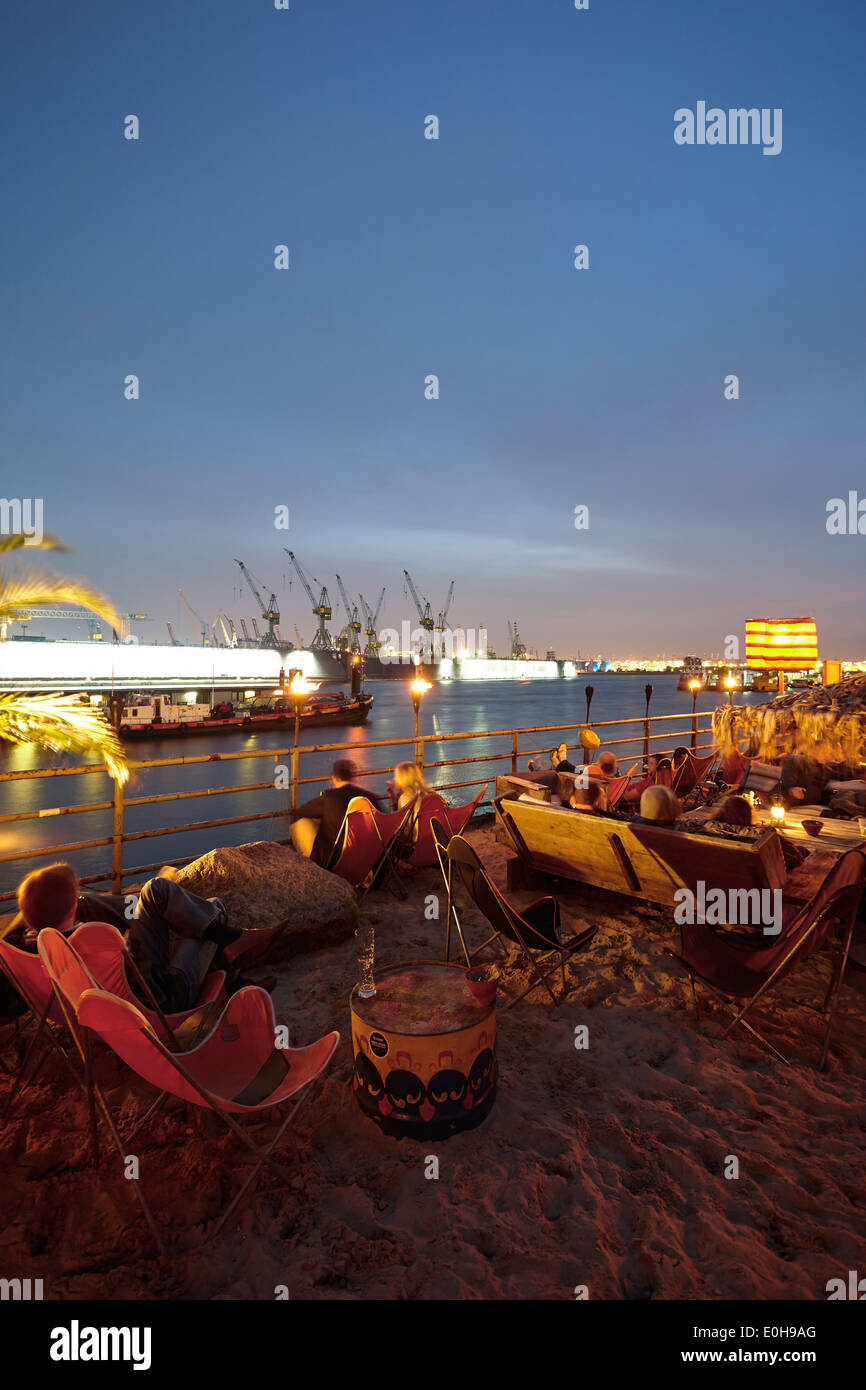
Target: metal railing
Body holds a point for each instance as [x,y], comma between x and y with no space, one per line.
[674,727]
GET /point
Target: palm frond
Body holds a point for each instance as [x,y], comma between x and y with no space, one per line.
[21,592]
[62,724]
[17,541]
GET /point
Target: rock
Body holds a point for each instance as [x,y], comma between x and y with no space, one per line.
[265,886]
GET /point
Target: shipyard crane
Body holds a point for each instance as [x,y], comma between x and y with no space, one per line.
[518,650]
[300,639]
[27,617]
[425,616]
[321,610]
[126,621]
[228,632]
[174,641]
[270,611]
[371,619]
[354,629]
[248,642]
[195,619]
[442,620]
[256,631]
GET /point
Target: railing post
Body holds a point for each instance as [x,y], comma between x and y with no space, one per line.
[117,840]
[648,691]
[419,754]
[588,692]
[293,779]
[514,752]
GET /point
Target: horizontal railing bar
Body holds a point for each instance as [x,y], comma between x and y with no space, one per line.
[53,849]
[48,812]
[33,774]
[198,825]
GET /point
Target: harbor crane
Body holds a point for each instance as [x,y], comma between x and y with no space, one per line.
[195,619]
[126,621]
[425,615]
[321,610]
[442,620]
[174,641]
[518,650]
[354,631]
[299,638]
[78,614]
[371,619]
[270,610]
[248,641]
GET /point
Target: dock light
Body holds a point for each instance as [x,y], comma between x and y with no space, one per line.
[777,813]
[695,686]
[730,684]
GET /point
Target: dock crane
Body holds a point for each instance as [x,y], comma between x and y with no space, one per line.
[442,620]
[371,619]
[518,650]
[174,641]
[194,618]
[228,632]
[425,615]
[322,610]
[354,620]
[270,610]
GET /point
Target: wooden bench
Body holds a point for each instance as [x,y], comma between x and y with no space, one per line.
[643,861]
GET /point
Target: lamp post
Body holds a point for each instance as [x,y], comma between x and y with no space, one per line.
[418,688]
[695,687]
[648,692]
[730,684]
[299,689]
[588,692]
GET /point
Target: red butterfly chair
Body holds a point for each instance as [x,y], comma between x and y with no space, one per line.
[235,1070]
[26,973]
[365,844]
[731,969]
[460,816]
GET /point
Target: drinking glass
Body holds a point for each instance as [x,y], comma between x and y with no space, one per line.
[365,939]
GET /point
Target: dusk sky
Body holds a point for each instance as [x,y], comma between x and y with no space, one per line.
[409,257]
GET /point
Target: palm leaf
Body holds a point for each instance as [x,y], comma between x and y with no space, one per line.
[17,541]
[62,724]
[22,592]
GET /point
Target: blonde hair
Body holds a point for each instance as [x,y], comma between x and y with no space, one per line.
[660,805]
[408,778]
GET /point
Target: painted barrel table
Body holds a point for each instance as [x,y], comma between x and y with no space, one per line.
[425,1051]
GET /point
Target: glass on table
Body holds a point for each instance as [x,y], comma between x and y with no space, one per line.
[366,943]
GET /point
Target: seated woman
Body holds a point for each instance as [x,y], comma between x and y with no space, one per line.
[734,810]
[604,766]
[658,806]
[407,784]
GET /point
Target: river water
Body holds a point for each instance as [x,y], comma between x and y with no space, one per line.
[449,707]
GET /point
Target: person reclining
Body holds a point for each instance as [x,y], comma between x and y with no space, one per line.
[605,766]
[174,936]
[658,806]
[589,799]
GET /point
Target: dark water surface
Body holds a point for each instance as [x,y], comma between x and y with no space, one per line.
[450,707]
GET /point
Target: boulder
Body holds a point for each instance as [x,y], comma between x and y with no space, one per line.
[285,903]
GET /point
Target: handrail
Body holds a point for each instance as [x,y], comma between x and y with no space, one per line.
[121,837]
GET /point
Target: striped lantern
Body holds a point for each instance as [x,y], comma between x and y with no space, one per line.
[781,644]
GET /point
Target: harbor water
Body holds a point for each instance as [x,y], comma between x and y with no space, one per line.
[447,708]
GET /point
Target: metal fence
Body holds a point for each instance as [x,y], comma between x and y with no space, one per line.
[641,735]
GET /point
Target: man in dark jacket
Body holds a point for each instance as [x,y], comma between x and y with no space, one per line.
[174,936]
[316,824]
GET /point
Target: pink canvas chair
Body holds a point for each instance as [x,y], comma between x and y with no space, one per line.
[26,973]
[106,955]
[365,844]
[458,817]
[423,855]
[617,787]
[236,1070]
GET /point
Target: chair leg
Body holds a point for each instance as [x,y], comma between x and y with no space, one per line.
[835,987]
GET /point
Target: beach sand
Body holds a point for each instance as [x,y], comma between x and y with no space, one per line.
[604,1167]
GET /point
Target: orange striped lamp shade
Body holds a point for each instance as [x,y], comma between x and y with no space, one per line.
[781,644]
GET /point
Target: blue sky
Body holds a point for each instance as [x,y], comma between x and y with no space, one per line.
[557,387]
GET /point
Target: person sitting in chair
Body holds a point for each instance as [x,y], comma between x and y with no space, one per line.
[314,827]
[174,936]
[658,806]
[589,799]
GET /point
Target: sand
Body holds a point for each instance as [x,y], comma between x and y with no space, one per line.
[604,1167]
